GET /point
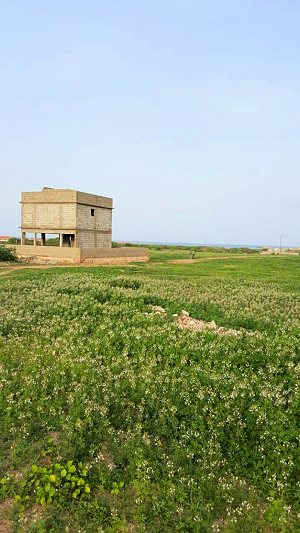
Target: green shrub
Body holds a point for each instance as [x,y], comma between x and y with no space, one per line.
[7,254]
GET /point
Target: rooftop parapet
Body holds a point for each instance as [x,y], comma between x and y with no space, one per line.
[65,196]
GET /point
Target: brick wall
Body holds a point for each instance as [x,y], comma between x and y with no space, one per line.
[141,254]
[53,252]
[98,226]
[103,240]
[84,217]
[77,255]
[95,253]
[85,239]
[49,216]
[102,219]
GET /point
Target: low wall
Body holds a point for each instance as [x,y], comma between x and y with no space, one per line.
[65,254]
[81,255]
[114,253]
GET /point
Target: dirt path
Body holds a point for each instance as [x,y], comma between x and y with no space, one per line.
[211,258]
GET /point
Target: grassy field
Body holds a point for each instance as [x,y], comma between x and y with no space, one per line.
[112,419]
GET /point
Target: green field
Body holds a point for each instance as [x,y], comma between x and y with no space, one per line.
[115,420]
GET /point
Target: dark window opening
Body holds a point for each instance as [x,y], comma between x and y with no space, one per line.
[68,240]
[92,212]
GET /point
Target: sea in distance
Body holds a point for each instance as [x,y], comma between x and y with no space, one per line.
[252,246]
[164,243]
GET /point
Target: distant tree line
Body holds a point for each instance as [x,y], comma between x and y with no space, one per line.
[172,247]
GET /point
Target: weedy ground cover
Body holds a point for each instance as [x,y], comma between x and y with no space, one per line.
[116,420]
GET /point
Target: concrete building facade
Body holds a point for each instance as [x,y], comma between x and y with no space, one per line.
[81,223]
[81,220]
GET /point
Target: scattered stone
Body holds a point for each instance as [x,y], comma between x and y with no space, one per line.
[184,313]
[175,315]
[157,309]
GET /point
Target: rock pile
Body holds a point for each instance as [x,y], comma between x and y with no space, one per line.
[185,321]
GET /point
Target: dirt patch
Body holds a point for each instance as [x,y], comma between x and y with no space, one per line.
[6,526]
[54,436]
[6,507]
[182,261]
[108,460]
[105,458]
[32,517]
[16,474]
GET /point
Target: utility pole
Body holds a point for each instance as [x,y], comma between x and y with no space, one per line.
[280,244]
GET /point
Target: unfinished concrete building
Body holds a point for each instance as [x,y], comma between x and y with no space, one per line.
[65,225]
[80,220]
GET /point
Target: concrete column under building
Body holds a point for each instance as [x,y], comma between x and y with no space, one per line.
[34,239]
[23,238]
[60,240]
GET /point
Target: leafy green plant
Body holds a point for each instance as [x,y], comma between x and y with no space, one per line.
[54,482]
[116,487]
[7,254]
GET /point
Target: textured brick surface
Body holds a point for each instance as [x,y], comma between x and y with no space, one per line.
[49,216]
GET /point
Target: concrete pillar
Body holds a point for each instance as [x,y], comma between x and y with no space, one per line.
[34,239]
[23,237]
[60,240]
[43,239]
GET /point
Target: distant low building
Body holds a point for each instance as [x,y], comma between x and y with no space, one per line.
[4,238]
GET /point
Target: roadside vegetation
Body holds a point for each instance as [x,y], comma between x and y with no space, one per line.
[7,254]
[114,419]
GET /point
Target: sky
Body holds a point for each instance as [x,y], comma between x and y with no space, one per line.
[186,112]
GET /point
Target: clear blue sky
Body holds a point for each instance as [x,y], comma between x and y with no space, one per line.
[186,112]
